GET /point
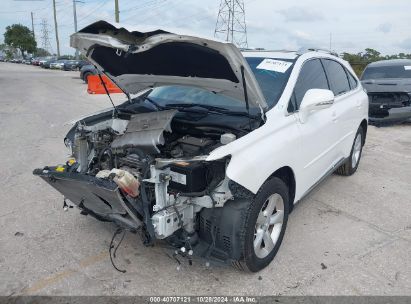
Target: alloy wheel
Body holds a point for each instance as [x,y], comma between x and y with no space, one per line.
[268,225]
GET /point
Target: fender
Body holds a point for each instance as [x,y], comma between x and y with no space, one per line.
[257,155]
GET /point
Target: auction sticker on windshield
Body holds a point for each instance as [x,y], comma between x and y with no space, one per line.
[407,67]
[274,65]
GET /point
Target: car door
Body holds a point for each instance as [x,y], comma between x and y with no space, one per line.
[319,131]
[346,107]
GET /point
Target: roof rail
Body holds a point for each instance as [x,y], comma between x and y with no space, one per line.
[306,50]
[265,50]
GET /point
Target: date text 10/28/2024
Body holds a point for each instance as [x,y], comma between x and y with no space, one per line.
[203,299]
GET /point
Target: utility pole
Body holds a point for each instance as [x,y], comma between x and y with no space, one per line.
[75,22]
[55,28]
[32,25]
[116,11]
[231,25]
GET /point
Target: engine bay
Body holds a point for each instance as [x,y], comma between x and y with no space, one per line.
[143,171]
[129,145]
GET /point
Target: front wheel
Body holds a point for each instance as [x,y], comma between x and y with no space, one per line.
[351,164]
[265,222]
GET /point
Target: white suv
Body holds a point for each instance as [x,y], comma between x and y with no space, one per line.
[213,146]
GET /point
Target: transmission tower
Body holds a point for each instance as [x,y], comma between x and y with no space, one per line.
[45,39]
[230,25]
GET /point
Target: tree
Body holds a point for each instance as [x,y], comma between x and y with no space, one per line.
[42,52]
[20,36]
[372,55]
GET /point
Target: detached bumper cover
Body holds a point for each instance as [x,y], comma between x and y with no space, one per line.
[101,196]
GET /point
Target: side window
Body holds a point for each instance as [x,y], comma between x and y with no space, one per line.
[312,76]
[336,76]
[352,80]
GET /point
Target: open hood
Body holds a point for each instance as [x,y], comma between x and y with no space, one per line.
[146,58]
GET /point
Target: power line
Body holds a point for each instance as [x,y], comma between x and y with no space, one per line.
[23,11]
[92,12]
[153,5]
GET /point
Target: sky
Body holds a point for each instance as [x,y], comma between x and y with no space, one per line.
[353,25]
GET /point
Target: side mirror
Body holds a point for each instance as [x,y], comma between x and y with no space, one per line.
[314,100]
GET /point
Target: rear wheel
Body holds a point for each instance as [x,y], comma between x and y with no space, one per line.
[264,227]
[351,164]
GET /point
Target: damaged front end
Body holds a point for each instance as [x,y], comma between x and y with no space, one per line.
[389,107]
[134,171]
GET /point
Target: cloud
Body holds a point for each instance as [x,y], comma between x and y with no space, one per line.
[300,14]
[405,44]
[302,39]
[384,27]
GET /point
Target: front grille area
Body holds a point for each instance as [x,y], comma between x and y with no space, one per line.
[380,103]
[392,100]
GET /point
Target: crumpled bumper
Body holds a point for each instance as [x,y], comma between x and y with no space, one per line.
[100,198]
[395,115]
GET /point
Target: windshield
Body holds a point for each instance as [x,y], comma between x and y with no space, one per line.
[272,75]
[271,83]
[395,71]
[190,95]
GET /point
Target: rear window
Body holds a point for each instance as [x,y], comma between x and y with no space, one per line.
[395,71]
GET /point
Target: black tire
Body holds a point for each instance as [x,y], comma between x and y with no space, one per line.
[349,168]
[250,261]
[85,76]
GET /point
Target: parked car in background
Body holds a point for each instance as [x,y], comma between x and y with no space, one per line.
[86,71]
[388,85]
[58,64]
[217,145]
[35,61]
[45,61]
[74,65]
[45,64]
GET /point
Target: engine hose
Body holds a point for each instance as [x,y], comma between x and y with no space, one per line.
[107,148]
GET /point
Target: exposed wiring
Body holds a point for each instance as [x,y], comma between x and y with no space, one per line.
[117,232]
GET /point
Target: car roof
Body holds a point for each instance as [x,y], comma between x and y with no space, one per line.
[286,54]
[390,62]
[282,54]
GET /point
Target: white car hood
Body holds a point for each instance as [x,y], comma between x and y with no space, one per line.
[139,59]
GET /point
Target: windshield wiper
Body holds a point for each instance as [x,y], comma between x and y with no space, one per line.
[193,105]
[145,97]
[213,109]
